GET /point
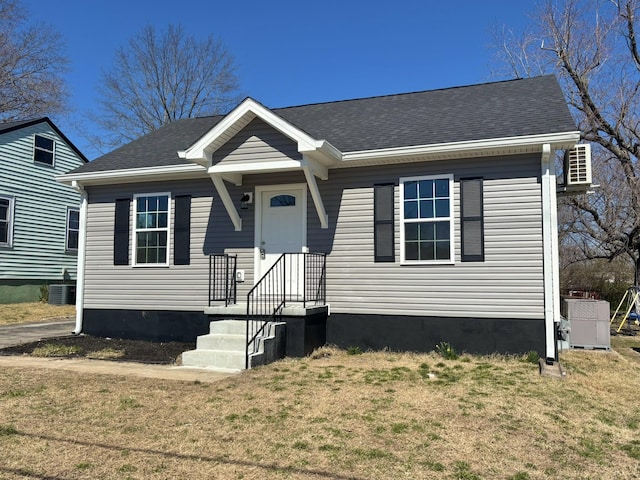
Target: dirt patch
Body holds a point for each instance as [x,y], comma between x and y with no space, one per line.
[165,353]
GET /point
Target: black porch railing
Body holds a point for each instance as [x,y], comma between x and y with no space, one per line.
[293,278]
[222,278]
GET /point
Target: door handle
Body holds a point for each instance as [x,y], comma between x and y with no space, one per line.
[262,254]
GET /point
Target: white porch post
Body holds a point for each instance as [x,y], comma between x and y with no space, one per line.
[82,248]
[551,269]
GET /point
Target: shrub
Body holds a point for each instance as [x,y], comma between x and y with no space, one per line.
[446,351]
[44,293]
[531,357]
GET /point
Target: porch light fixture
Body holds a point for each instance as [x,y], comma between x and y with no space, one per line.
[246,199]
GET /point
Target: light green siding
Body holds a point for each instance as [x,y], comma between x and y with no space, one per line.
[38,251]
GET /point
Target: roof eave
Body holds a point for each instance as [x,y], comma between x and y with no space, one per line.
[472,148]
[132,175]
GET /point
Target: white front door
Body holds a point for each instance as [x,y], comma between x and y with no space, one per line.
[280,228]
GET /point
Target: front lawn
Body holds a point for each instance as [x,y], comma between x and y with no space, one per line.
[333,416]
[14,313]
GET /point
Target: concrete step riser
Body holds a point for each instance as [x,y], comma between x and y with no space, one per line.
[219,359]
[228,327]
[221,342]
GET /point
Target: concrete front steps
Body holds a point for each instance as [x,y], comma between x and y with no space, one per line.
[223,348]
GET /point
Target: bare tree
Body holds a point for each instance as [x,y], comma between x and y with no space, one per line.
[592,46]
[162,77]
[31,66]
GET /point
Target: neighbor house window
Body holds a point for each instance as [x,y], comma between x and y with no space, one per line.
[44,150]
[6,221]
[151,229]
[427,219]
[73,228]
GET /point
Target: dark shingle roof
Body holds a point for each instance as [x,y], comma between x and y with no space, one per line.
[7,127]
[493,110]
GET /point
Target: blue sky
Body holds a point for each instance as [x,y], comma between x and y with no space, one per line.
[293,52]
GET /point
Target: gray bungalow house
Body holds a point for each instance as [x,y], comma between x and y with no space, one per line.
[393,222]
[39,217]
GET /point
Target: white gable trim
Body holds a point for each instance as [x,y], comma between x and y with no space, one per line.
[237,119]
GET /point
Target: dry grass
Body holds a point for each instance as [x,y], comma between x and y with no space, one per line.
[332,416]
[33,312]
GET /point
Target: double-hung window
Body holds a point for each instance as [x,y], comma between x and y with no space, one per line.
[6,221]
[427,219]
[151,229]
[44,150]
[73,228]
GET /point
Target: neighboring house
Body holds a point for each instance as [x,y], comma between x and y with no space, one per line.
[39,217]
[432,214]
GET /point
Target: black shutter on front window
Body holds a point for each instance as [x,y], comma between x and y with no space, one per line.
[121,232]
[472,220]
[182,230]
[383,223]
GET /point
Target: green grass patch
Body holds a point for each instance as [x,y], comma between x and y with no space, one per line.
[464,472]
[127,403]
[632,449]
[56,350]
[106,354]
[7,430]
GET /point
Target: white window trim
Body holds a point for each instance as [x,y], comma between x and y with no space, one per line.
[451,219]
[11,219]
[67,229]
[134,230]
[53,152]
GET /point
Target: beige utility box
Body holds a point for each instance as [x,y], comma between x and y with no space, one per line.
[588,321]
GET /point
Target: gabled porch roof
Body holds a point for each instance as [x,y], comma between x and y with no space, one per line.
[317,155]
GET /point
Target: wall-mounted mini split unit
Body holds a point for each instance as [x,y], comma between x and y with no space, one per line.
[577,171]
[577,167]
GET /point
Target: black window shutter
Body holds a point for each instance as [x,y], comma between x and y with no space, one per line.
[472,220]
[182,230]
[121,232]
[383,223]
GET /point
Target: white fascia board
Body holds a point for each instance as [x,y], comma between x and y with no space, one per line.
[243,114]
[557,140]
[133,175]
[254,167]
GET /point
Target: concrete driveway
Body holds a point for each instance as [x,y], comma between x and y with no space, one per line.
[32,332]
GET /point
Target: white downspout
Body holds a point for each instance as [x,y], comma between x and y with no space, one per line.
[551,270]
[82,240]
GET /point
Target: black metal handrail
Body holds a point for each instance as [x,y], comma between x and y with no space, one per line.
[222,278]
[294,277]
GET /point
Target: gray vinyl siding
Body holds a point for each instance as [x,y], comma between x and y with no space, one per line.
[257,142]
[508,284]
[40,211]
[176,287]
